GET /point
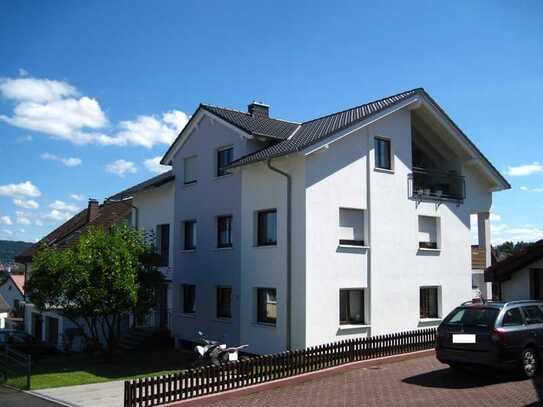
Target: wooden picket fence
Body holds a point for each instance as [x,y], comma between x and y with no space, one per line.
[152,391]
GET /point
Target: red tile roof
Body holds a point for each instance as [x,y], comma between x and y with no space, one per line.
[109,213]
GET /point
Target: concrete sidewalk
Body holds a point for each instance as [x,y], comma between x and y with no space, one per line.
[109,394]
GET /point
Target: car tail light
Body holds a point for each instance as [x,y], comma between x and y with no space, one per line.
[498,336]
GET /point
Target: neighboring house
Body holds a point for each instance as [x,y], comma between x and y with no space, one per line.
[47,324]
[519,276]
[289,235]
[152,212]
[11,298]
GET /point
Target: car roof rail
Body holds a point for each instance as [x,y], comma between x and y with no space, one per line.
[516,302]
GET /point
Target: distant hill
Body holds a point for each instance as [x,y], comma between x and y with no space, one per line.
[9,249]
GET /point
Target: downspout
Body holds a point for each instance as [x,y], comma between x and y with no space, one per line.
[289,248]
[368,212]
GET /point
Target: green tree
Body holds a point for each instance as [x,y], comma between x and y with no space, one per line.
[102,278]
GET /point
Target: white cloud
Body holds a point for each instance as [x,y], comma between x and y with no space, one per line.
[147,131]
[494,217]
[38,222]
[526,189]
[121,167]
[68,162]
[153,165]
[55,214]
[527,169]
[23,189]
[56,108]
[63,206]
[6,220]
[22,218]
[26,203]
[35,90]
[7,232]
[502,233]
[23,72]
[77,197]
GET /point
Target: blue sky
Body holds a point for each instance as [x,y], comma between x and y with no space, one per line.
[92,92]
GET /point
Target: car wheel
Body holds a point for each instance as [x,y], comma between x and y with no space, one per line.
[528,362]
[456,366]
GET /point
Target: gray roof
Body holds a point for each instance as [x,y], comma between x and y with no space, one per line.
[254,125]
[154,182]
[312,131]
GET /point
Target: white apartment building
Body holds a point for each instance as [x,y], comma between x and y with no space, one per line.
[287,235]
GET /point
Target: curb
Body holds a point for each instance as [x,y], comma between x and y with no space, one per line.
[305,377]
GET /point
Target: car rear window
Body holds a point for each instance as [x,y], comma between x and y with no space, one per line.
[533,314]
[476,316]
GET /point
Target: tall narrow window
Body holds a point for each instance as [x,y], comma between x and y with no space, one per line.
[189,170]
[224,302]
[224,157]
[163,243]
[266,305]
[189,234]
[351,227]
[428,232]
[383,157]
[189,298]
[351,306]
[224,231]
[429,302]
[267,227]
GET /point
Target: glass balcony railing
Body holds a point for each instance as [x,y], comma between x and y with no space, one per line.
[435,185]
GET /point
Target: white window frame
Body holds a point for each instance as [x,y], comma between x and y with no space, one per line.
[437,221]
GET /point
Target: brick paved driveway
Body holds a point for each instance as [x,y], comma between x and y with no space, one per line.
[418,382]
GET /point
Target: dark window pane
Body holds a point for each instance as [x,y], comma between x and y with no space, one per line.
[473,317]
[351,306]
[224,304]
[190,234]
[224,231]
[428,302]
[267,305]
[224,157]
[267,227]
[189,298]
[382,154]
[164,244]
[512,317]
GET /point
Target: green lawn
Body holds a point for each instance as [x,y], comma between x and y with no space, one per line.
[68,370]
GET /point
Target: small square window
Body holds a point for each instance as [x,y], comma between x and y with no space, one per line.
[189,233]
[189,298]
[189,170]
[267,227]
[428,232]
[266,305]
[429,302]
[351,227]
[351,306]
[383,156]
[224,157]
[224,302]
[224,231]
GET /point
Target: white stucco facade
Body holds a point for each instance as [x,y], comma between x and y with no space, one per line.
[519,285]
[338,174]
[153,207]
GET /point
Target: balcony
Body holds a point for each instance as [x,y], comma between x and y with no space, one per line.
[435,185]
